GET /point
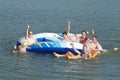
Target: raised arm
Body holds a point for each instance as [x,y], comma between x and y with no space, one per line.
[27,31]
[68,27]
[89,35]
[78,52]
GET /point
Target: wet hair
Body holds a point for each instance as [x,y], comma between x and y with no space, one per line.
[84,31]
[84,45]
[83,50]
[64,33]
[19,44]
[94,37]
[29,31]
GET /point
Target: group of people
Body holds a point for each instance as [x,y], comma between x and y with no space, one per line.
[82,38]
[90,46]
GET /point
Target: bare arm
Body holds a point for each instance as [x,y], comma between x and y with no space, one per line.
[90,34]
[27,31]
[78,52]
[99,47]
[68,27]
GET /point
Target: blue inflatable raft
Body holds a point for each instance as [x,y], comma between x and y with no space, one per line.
[49,43]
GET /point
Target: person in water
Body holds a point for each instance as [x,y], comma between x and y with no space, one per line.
[97,44]
[19,49]
[86,53]
[94,44]
[29,40]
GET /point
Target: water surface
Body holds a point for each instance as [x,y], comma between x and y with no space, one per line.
[52,16]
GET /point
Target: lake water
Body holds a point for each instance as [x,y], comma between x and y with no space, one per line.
[51,16]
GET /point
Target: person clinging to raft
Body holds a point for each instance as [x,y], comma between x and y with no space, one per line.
[29,39]
[86,54]
[18,49]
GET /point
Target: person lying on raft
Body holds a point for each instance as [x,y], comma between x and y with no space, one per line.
[76,37]
[29,37]
[82,38]
[66,34]
[72,37]
[69,37]
[85,36]
[86,53]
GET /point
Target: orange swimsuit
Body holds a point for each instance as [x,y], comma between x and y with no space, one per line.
[70,54]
